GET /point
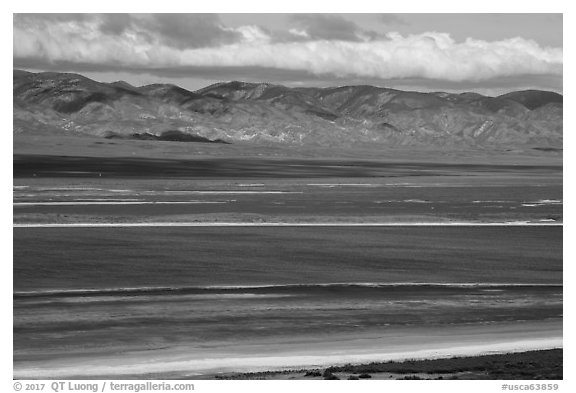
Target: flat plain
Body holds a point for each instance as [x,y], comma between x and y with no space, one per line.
[206,299]
[223,183]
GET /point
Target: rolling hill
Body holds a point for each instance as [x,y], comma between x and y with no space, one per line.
[237,112]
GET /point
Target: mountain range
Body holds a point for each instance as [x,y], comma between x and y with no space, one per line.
[50,103]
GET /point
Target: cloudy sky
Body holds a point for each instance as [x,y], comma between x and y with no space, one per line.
[488,53]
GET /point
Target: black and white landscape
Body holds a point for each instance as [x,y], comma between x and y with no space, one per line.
[361,205]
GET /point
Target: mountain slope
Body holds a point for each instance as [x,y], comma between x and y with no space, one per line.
[268,113]
[533,99]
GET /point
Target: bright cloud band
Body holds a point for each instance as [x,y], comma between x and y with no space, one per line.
[145,43]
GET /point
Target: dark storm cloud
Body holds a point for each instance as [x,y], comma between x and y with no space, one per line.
[325,27]
[180,31]
[115,24]
[188,30]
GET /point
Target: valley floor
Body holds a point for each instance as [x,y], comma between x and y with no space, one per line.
[167,288]
[78,189]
